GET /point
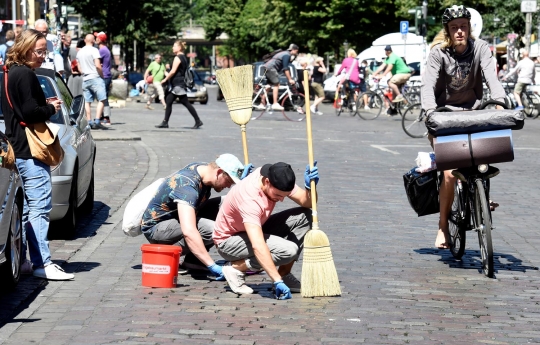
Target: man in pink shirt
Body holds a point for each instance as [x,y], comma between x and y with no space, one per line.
[247,235]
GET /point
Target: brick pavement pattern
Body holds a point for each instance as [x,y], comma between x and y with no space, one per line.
[397,289]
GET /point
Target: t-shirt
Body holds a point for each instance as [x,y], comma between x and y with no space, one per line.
[157,70]
[280,62]
[400,67]
[317,76]
[105,57]
[245,203]
[86,57]
[183,187]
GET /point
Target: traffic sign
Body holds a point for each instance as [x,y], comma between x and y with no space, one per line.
[528,6]
[404,27]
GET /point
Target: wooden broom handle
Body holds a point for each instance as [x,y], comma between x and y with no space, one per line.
[244,144]
[315,225]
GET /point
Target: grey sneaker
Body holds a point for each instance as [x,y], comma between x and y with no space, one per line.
[236,280]
[293,283]
[398,99]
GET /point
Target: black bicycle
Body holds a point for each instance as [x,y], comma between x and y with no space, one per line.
[471,209]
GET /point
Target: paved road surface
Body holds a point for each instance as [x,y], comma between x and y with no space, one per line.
[397,289]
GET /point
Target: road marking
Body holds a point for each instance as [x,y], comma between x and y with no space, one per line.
[527,148]
[384,147]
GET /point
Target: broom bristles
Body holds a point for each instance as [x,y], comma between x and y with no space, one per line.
[319,275]
[237,86]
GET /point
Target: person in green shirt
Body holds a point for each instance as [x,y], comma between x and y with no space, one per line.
[157,70]
[400,73]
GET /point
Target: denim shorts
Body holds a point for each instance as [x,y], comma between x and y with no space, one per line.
[361,86]
[94,89]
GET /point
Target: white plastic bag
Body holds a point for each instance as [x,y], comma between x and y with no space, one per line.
[131,224]
[425,161]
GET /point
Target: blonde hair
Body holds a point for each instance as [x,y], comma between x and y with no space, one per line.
[303,62]
[181,44]
[351,53]
[24,42]
[444,38]
[319,59]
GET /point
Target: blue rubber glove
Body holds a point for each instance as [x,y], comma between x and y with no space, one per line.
[312,174]
[217,271]
[247,170]
[282,291]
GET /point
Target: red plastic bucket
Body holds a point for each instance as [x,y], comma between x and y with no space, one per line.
[160,265]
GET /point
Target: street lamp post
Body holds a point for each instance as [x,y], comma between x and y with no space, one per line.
[496,21]
[346,47]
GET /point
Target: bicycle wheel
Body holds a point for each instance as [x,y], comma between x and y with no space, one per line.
[412,97]
[372,109]
[293,108]
[413,121]
[456,223]
[259,104]
[482,216]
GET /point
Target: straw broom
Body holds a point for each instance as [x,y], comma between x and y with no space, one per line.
[319,275]
[237,86]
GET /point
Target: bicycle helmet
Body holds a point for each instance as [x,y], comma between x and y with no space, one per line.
[455,12]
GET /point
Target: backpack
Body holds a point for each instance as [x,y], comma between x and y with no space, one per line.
[269,56]
[189,78]
[131,223]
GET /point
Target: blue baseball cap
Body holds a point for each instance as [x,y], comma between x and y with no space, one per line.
[231,165]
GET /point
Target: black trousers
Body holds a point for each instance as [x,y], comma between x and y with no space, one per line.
[169,100]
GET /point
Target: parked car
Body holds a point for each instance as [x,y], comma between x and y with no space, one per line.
[12,196]
[198,93]
[73,179]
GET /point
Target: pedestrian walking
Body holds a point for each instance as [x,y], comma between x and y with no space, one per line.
[156,69]
[23,101]
[105,58]
[54,59]
[4,48]
[177,86]
[319,71]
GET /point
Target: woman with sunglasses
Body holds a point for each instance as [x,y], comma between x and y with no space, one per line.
[23,102]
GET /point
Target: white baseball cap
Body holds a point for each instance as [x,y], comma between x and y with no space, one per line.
[231,165]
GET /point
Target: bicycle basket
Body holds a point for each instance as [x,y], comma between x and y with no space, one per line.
[422,191]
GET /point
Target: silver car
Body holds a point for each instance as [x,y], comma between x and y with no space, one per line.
[11,196]
[73,179]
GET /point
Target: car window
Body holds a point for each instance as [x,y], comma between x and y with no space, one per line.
[49,91]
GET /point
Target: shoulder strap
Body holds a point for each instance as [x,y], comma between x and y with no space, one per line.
[5,85]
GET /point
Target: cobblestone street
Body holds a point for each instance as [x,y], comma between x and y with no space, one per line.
[397,288]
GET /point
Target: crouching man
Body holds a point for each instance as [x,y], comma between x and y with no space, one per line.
[247,235]
[182,214]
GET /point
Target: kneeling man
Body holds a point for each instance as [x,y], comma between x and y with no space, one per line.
[247,235]
[181,213]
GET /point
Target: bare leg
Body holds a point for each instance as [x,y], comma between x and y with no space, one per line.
[283,270]
[99,109]
[240,265]
[446,197]
[275,91]
[395,89]
[518,99]
[87,107]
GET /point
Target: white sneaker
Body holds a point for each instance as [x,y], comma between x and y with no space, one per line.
[259,107]
[276,106]
[318,112]
[293,283]
[367,108]
[26,267]
[52,272]
[313,110]
[354,108]
[236,280]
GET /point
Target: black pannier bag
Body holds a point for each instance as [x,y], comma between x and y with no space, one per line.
[422,191]
[467,122]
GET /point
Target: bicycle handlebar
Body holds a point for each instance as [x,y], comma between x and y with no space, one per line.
[492,101]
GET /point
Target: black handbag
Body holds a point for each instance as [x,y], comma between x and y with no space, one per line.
[422,191]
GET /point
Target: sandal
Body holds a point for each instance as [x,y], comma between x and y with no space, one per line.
[493,205]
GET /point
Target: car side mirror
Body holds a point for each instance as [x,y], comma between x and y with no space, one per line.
[77,109]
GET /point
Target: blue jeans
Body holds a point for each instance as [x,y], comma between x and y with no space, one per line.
[36,179]
[94,89]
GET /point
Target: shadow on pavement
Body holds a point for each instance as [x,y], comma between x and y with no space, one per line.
[13,303]
[472,260]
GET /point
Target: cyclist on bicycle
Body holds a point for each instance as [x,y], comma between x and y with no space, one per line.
[351,78]
[280,63]
[453,79]
[526,74]
[400,73]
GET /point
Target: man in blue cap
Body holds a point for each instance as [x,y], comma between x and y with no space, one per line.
[182,214]
[400,73]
